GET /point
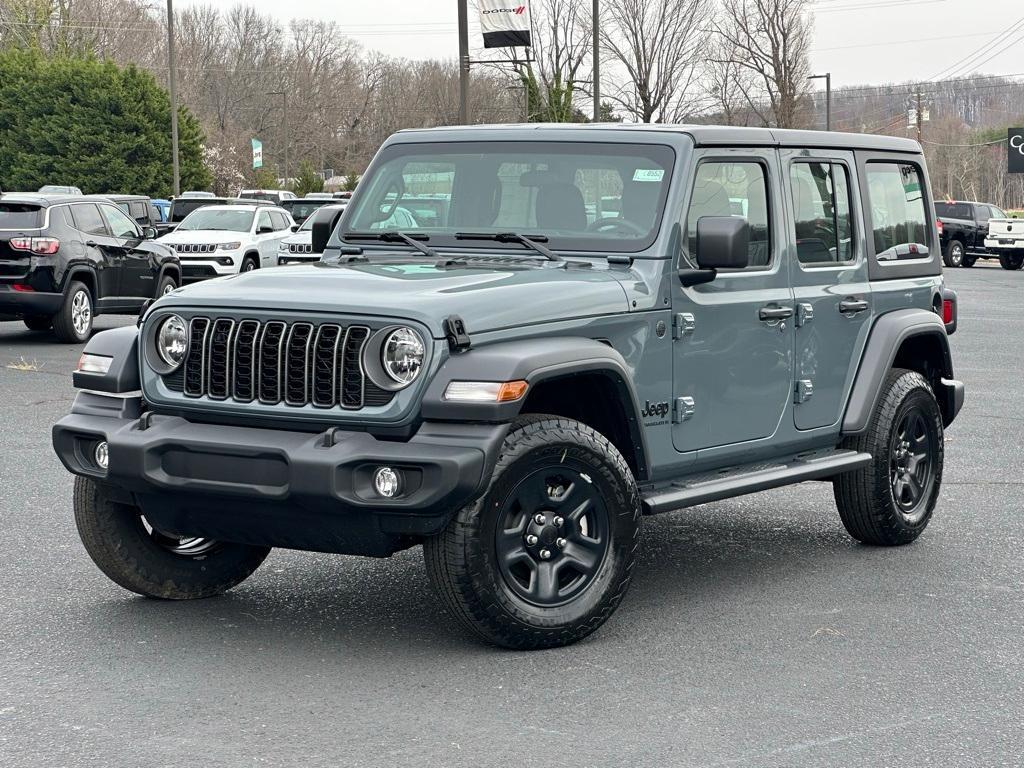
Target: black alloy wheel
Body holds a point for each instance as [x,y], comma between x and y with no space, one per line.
[911,470]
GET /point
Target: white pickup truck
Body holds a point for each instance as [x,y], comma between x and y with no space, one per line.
[1006,240]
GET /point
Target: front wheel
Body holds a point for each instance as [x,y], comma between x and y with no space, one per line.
[546,555]
[249,263]
[954,256]
[149,562]
[1012,261]
[166,285]
[890,501]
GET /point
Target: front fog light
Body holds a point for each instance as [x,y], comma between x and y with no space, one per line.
[387,482]
[101,455]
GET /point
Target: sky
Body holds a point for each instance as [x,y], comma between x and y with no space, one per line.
[858,41]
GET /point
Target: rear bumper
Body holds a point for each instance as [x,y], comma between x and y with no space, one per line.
[21,303]
[278,488]
[1004,244]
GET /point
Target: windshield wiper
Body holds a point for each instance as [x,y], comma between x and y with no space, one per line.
[533,241]
[394,236]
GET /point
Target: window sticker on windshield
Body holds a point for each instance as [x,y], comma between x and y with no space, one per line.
[648,174]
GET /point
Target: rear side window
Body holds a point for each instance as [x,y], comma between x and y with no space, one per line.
[982,213]
[898,216]
[87,219]
[821,201]
[139,211]
[737,189]
[953,210]
[280,222]
[20,216]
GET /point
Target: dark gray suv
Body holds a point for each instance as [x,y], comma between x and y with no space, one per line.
[593,324]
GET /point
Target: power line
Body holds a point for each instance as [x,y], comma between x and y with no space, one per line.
[964,62]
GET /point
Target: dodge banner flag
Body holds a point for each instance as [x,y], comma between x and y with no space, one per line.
[505,23]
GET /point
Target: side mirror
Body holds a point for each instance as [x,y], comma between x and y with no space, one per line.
[295,227]
[723,242]
[264,230]
[324,222]
[149,233]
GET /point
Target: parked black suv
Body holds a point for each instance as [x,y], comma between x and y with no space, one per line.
[65,259]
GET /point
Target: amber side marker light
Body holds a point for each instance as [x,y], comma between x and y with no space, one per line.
[485,391]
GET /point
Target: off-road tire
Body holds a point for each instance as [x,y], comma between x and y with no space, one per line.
[249,264]
[64,323]
[38,322]
[123,549]
[865,497]
[954,255]
[461,560]
[165,286]
[1012,261]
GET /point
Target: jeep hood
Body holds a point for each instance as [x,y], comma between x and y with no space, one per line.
[486,298]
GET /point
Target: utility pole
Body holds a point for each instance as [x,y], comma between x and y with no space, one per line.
[464,113]
[597,60]
[827,77]
[284,95]
[174,98]
[920,116]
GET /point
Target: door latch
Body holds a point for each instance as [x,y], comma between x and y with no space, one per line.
[682,324]
[804,391]
[683,409]
[804,314]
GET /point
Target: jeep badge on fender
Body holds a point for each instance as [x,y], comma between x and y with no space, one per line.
[473,367]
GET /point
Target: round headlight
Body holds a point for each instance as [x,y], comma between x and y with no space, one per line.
[172,341]
[402,355]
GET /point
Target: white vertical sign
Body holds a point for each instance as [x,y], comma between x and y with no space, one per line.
[505,23]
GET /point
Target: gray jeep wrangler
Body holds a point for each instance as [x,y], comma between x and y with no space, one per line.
[519,341]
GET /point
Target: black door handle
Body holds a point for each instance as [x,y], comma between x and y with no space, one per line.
[770,313]
[852,305]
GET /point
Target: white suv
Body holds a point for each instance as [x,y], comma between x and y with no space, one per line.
[276,196]
[225,239]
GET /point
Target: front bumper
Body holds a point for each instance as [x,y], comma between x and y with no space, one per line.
[207,267]
[21,303]
[279,488]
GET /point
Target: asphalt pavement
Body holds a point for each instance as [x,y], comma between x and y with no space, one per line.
[756,632]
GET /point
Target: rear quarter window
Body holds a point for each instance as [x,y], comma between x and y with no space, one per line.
[898,216]
[20,216]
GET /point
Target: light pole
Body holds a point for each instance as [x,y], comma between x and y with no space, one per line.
[827,77]
[284,95]
[597,61]
[174,98]
[464,113]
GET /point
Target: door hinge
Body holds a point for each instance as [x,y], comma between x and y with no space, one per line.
[804,313]
[683,409]
[803,392]
[682,324]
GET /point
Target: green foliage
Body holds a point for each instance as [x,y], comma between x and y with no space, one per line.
[351,181]
[91,124]
[264,178]
[551,103]
[308,180]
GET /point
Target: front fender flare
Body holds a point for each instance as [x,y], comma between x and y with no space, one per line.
[122,346]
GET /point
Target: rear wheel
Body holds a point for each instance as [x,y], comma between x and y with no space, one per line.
[546,555]
[73,323]
[38,323]
[890,501]
[954,256]
[1013,261]
[140,558]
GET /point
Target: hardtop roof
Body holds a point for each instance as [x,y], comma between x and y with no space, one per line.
[702,135]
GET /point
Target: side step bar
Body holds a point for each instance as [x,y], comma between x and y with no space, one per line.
[750,478]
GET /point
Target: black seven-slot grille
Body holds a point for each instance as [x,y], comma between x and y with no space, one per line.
[275,362]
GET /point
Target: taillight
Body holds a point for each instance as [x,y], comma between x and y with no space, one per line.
[947,311]
[42,246]
[938,225]
[23,288]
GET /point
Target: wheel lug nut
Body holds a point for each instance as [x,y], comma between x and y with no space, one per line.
[531,540]
[558,521]
[560,543]
[545,554]
[539,519]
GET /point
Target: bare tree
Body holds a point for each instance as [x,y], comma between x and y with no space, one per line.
[771,39]
[659,44]
[726,82]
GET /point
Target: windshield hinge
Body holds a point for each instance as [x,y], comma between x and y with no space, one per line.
[455,332]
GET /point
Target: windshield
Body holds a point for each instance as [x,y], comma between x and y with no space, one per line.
[20,216]
[252,194]
[225,221]
[582,196]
